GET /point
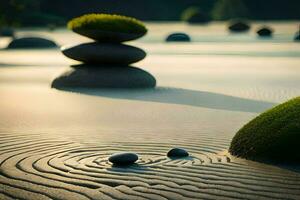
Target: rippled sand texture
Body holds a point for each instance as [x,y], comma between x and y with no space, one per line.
[41,168]
[55,144]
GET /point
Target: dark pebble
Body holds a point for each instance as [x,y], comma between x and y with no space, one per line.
[123,158]
[177,152]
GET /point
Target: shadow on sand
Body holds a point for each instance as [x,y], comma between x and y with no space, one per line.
[181,97]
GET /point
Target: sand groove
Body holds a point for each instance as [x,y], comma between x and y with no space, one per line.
[44,168]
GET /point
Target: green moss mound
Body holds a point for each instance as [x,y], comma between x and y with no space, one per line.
[273,136]
[107,22]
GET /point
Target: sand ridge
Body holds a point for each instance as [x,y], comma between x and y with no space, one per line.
[43,168]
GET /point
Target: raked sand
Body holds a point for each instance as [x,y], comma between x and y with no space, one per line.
[55,144]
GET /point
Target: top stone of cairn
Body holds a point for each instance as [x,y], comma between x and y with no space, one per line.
[108,28]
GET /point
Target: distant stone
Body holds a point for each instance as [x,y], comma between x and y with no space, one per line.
[31,42]
[265,32]
[104,76]
[239,26]
[193,15]
[178,37]
[7,32]
[123,158]
[297,37]
[199,18]
[178,153]
[104,53]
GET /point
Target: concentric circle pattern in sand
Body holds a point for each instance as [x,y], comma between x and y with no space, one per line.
[36,167]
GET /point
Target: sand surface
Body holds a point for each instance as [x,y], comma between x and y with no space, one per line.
[55,144]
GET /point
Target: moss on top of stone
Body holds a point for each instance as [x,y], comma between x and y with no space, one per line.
[108,22]
[273,136]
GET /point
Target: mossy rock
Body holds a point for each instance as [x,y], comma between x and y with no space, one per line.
[194,15]
[199,18]
[273,136]
[108,28]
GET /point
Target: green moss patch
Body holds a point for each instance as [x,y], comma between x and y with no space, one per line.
[107,22]
[273,136]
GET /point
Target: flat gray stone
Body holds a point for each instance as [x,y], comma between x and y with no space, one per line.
[108,36]
[104,76]
[31,43]
[177,153]
[103,53]
[123,158]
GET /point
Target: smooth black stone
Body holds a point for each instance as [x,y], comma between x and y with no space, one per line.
[265,32]
[31,42]
[123,158]
[104,76]
[103,53]
[239,27]
[177,153]
[178,37]
[108,36]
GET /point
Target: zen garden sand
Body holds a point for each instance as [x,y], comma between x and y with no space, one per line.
[58,143]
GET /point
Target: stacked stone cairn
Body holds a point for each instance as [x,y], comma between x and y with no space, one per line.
[105,61]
